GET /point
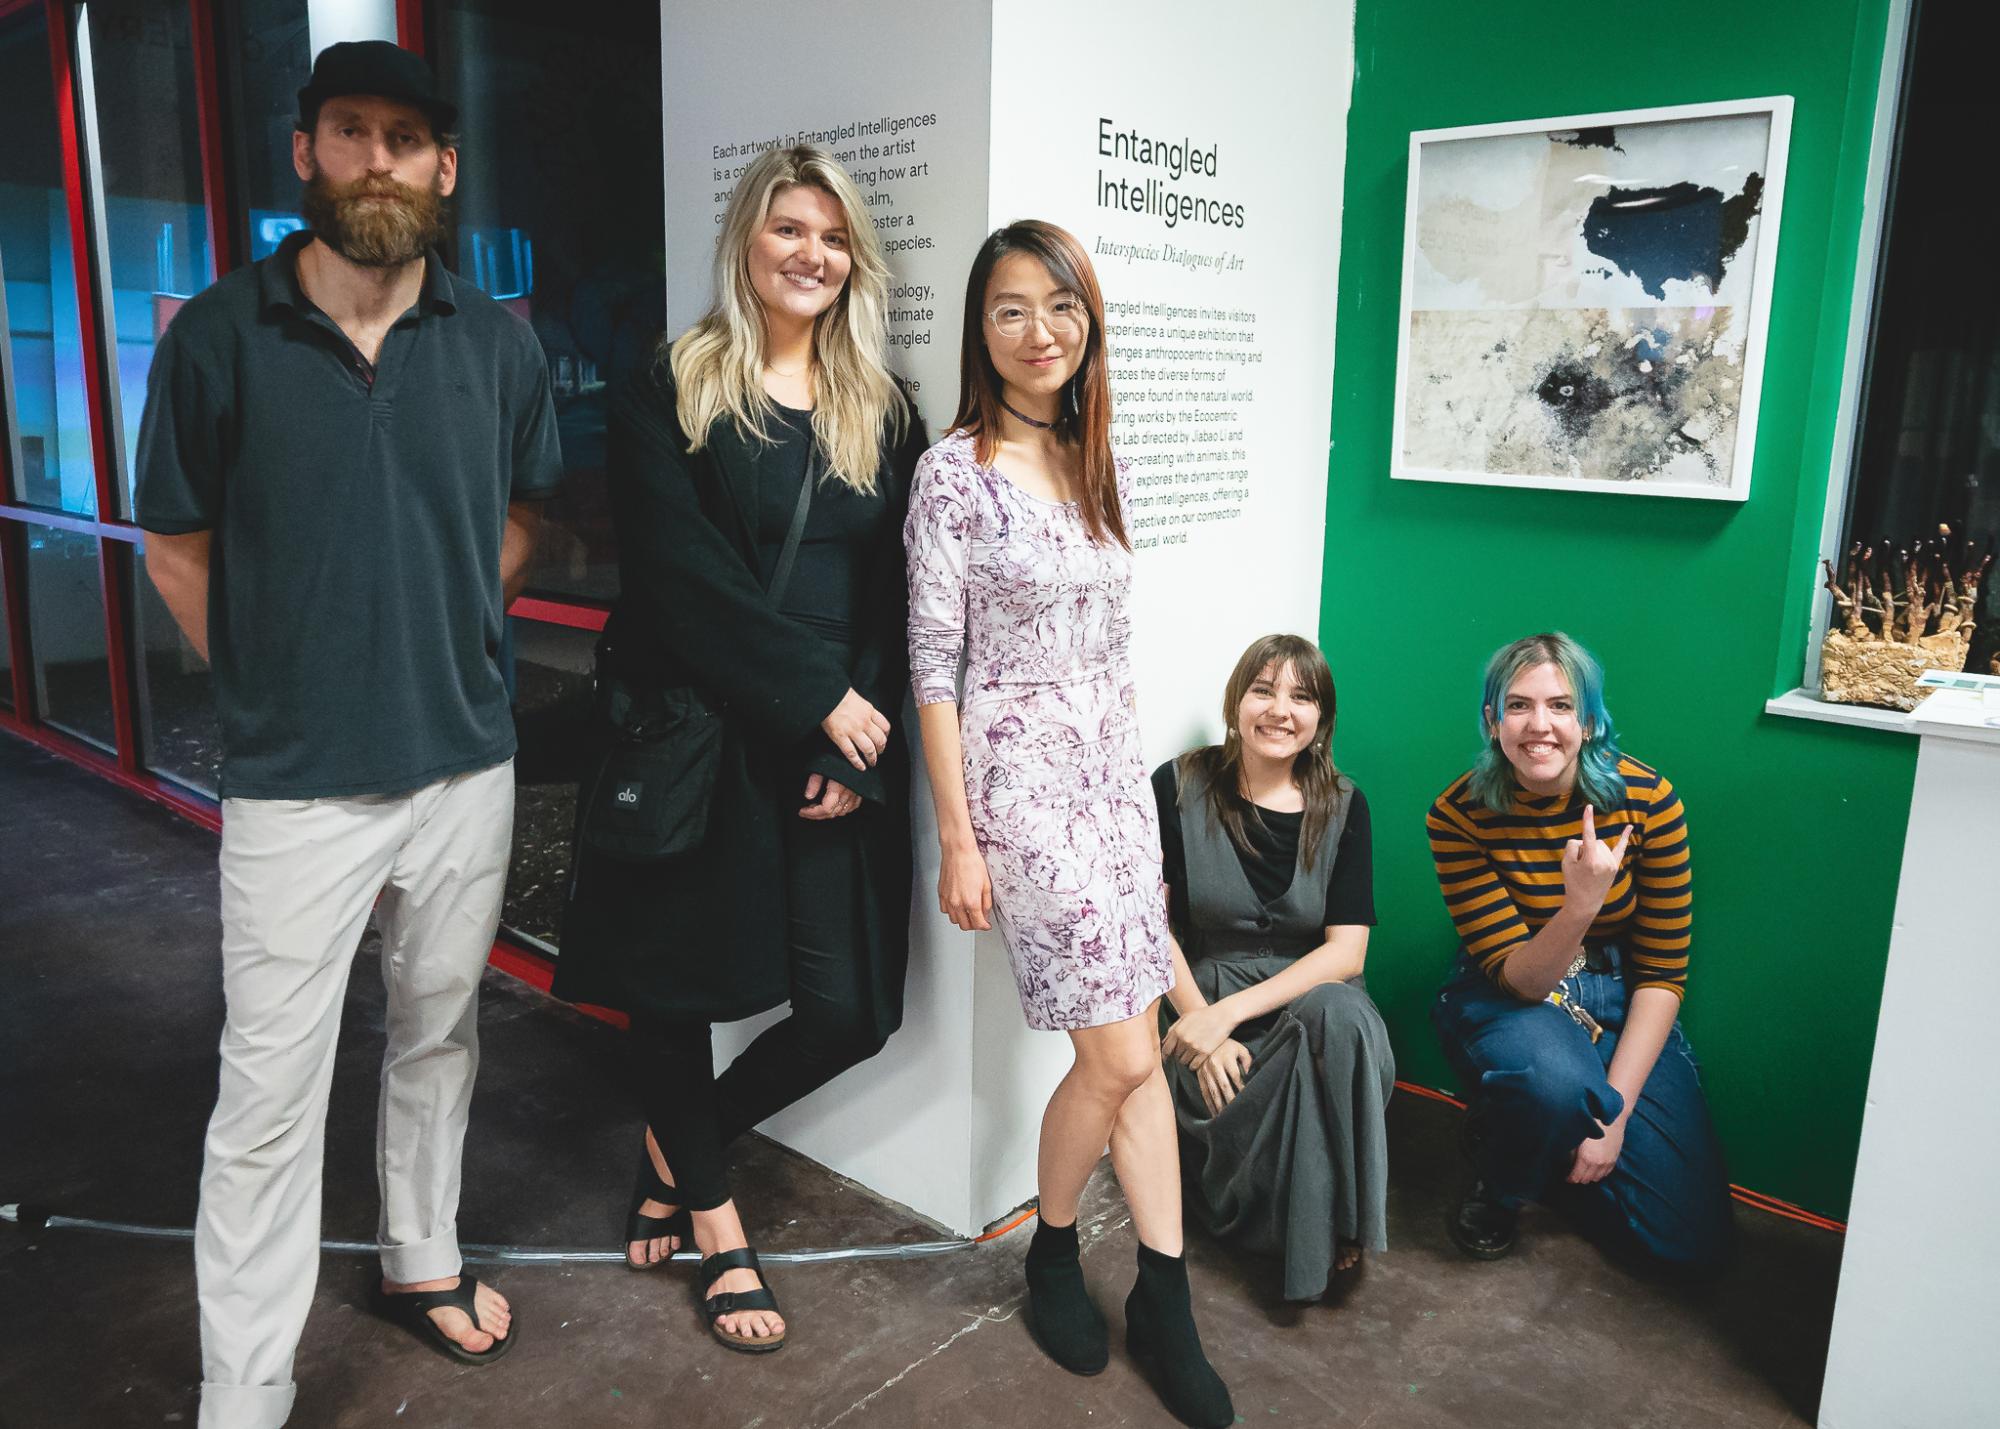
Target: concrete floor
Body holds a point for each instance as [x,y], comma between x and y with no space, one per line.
[107,1059]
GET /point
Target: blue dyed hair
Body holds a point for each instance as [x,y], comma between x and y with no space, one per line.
[1493,781]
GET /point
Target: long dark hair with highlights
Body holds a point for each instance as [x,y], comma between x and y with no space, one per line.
[1313,771]
[1083,416]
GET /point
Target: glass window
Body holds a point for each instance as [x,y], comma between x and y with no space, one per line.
[140,59]
[1928,452]
[270,59]
[66,628]
[551,680]
[559,209]
[6,640]
[42,377]
[177,727]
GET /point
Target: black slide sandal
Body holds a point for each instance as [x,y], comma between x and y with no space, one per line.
[731,1302]
[410,1309]
[649,1187]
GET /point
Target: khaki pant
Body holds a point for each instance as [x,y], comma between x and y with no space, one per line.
[299,878]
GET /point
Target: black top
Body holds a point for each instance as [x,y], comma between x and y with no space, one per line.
[354,585]
[691,555]
[709,936]
[1350,897]
[843,538]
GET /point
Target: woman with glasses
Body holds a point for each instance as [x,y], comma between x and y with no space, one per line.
[1019,561]
[759,473]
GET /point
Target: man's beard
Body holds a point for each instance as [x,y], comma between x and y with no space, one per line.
[351,219]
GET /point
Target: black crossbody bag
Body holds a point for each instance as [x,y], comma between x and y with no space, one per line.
[649,797]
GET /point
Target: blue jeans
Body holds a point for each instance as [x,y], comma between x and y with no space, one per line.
[1537,1087]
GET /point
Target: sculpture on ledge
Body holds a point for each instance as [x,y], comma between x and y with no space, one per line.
[1902,612]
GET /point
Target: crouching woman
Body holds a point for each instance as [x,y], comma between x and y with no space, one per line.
[1564,865]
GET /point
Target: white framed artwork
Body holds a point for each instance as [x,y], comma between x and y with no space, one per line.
[1585,299]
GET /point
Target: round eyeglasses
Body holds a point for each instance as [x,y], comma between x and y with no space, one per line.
[1065,316]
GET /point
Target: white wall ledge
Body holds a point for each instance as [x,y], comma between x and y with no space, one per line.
[1804,704]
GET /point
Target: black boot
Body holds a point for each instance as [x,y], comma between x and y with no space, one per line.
[1481,1226]
[1160,1333]
[1060,1313]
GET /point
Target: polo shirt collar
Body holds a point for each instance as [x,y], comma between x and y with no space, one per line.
[278,279]
[440,283]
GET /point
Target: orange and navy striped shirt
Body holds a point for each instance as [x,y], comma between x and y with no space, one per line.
[1501,874]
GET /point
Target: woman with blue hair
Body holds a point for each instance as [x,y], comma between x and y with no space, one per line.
[1564,865]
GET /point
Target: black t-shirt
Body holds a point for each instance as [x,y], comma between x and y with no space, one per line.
[355,608]
[844,532]
[1350,896]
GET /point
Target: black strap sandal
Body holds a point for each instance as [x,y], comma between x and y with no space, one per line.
[649,1187]
[411,1309]
[731,1302]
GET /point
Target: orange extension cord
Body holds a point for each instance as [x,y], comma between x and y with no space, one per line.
[997,1231]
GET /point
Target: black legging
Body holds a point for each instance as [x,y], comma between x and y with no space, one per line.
[695,1114]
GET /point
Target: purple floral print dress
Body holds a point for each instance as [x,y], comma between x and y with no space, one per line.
[1054,773]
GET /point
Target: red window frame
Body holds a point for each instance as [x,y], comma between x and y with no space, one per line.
[117,538]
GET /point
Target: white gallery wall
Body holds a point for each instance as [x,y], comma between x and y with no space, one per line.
[1198,157]
[1198,154]
[736,80]
[1917,1294]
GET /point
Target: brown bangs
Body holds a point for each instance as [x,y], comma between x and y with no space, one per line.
[1220,766]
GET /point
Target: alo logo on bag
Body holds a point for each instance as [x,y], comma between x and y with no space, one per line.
[627,794]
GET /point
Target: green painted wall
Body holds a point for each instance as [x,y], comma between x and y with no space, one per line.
[1698,609]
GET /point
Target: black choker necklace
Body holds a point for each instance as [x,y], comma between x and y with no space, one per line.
[1023,416]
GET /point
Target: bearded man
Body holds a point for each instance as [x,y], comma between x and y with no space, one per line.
[343,450]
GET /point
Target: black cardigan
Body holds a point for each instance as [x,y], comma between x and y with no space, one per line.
[704,935]
[691,609]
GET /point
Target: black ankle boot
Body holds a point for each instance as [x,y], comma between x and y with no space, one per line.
[1160,1333]
[1060,1313]
[1481,1226]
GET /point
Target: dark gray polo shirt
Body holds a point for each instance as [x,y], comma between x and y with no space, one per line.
[354,611]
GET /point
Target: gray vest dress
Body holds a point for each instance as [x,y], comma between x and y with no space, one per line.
[1299,1160]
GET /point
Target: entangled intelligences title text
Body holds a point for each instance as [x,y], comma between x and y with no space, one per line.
[1178,158]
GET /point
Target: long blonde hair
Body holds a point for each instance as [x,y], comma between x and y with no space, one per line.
[718,364]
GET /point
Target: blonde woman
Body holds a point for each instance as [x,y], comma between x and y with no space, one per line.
[769,435]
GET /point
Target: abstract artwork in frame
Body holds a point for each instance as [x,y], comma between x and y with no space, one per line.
[1585,300]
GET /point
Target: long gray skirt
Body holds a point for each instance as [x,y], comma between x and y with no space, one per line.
[1299,1160]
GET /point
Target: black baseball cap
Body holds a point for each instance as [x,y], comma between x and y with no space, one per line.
[374,67]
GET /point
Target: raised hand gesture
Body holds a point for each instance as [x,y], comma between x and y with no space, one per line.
[1590,867]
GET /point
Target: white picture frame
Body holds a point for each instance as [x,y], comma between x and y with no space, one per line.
[1574,292]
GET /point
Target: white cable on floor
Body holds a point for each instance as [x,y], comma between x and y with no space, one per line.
[34,1218]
